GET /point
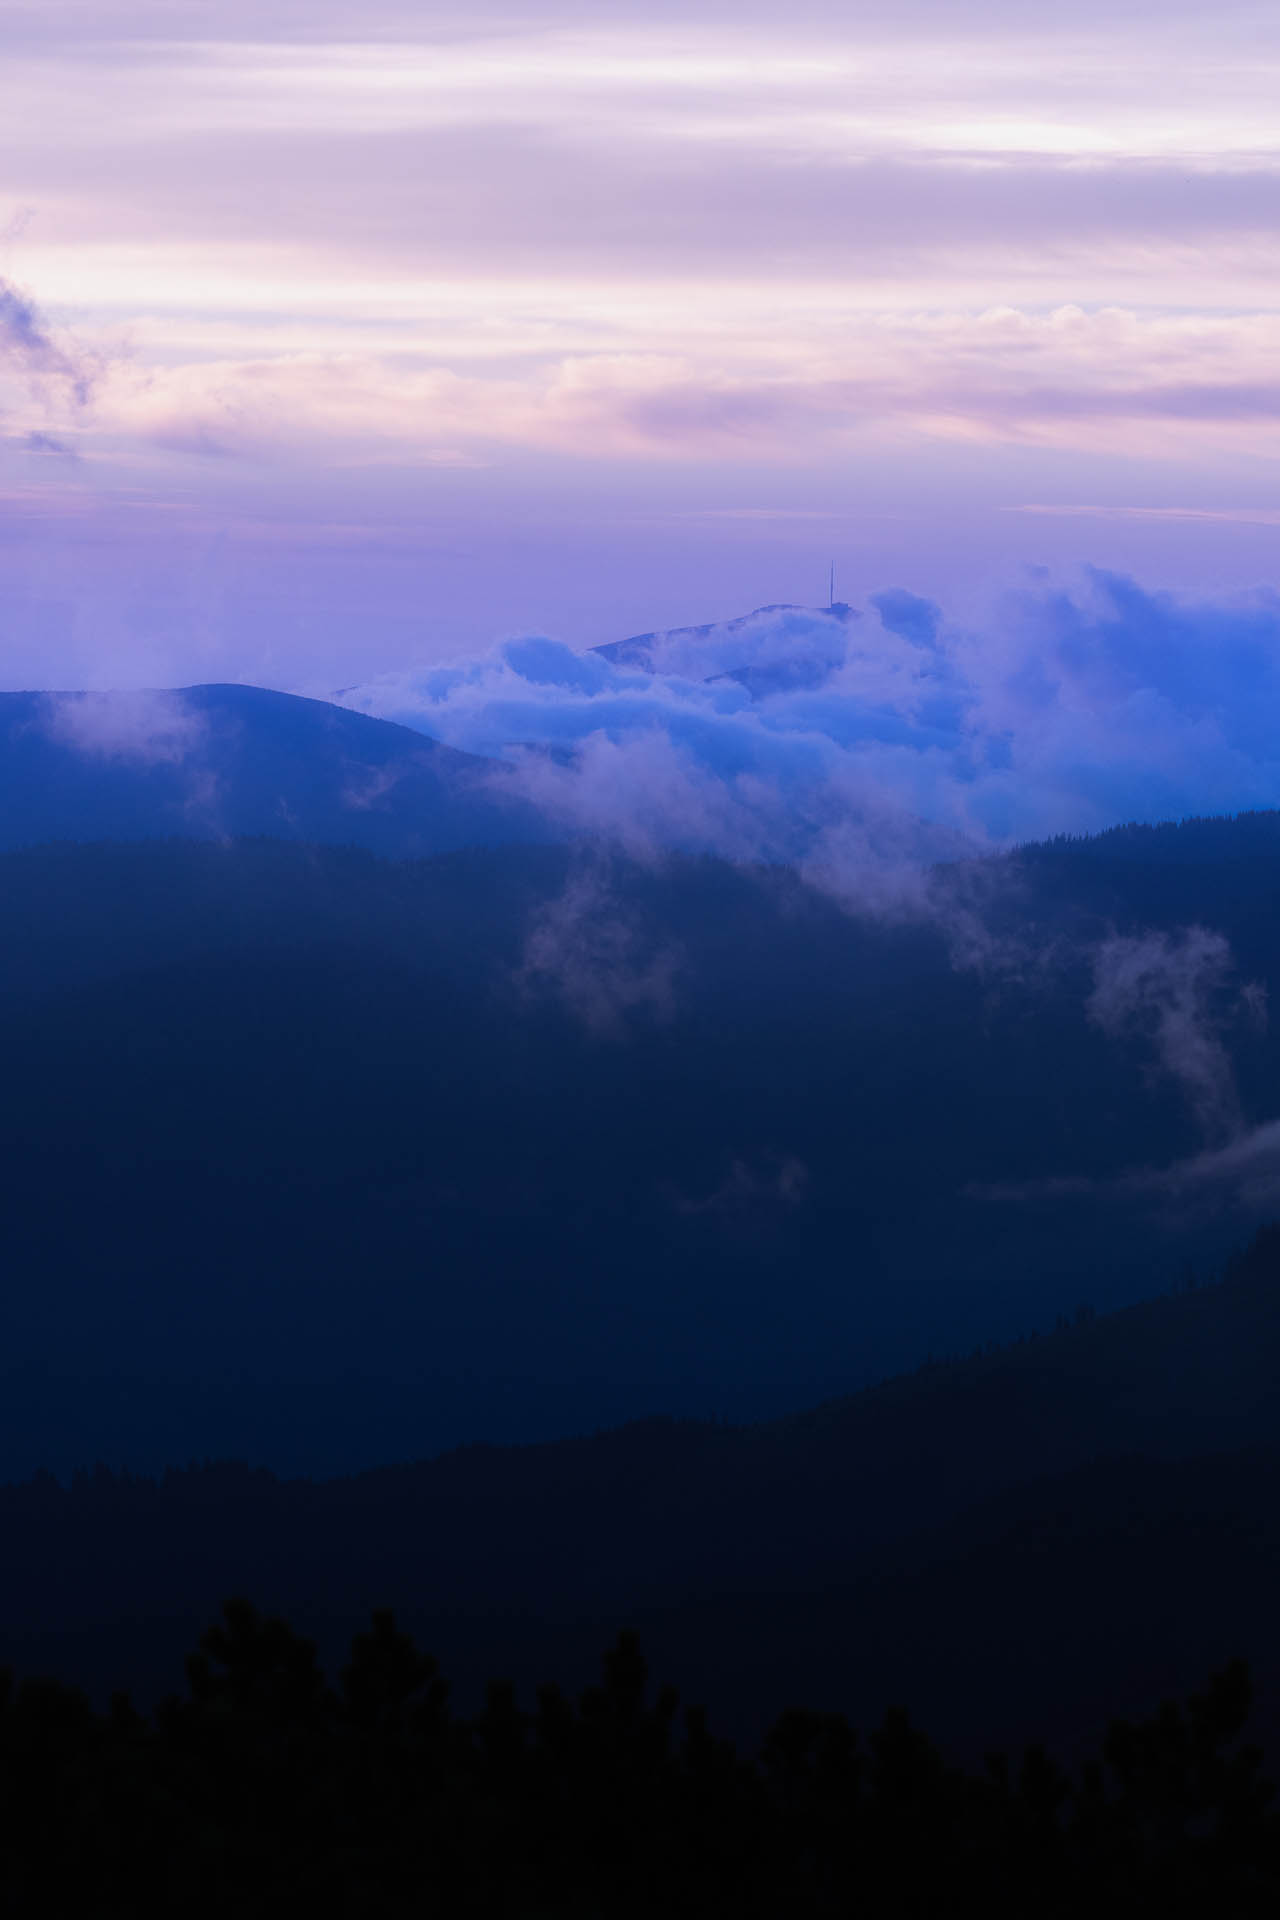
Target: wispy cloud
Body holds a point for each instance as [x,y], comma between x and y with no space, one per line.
[28,345]
[1067,378]
[1166,985]
[150,729]
[48,444]
[765,1183]
[1178,990]
[1224,516]
[1244,1172]
[592,953]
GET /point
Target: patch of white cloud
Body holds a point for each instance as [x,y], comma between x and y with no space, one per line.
[141,728]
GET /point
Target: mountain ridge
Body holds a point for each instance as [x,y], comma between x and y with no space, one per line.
[226,760]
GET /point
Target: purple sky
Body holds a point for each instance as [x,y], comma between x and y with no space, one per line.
[340,340]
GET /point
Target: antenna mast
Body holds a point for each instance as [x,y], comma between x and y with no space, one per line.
[831,601]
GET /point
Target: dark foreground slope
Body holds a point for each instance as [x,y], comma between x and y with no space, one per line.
[215,762]
[265,1788]
[322,1160]
[1027,1541]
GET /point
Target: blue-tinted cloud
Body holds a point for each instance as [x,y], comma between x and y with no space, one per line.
[816,737]
[28,344]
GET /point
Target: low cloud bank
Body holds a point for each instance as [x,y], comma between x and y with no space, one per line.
[862,746]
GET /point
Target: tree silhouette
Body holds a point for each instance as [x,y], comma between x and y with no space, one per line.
[266,1790]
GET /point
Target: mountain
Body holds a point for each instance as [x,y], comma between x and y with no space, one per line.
[216,762]
[678,649]
[229,761]
[324,1160]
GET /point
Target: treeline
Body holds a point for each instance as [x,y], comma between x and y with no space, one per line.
[268,1790]
[1193,836]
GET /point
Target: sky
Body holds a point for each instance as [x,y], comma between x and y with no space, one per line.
[337,341]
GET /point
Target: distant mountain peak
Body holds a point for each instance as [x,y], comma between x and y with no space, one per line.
[761,671]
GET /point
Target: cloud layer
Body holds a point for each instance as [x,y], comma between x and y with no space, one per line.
[393,277]
[654,381]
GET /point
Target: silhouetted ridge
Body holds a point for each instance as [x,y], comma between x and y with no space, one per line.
[1239,836]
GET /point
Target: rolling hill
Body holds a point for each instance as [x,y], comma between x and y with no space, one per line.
[217,762]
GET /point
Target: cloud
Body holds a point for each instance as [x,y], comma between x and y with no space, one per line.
[593,955]
[366,787]
[679,751]
[1170,987]
[1176,988]
[47,443]
[652,235]
[1246,1172]
[28,345]
[881,757]
[907,614]
[649,380]
[142,728]
[865,749]
[145,728]
[1243,1172]
[770,1182]
[1228,516]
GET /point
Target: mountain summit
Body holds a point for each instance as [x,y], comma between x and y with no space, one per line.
[812,637]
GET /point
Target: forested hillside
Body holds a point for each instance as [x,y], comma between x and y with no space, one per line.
[579,1138]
